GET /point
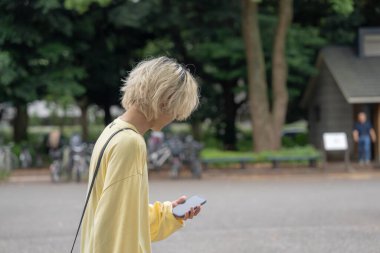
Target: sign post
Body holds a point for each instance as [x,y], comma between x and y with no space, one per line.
[336,142]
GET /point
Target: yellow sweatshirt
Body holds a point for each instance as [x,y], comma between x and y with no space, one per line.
[119,218]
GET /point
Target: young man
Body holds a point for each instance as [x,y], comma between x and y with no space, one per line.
[119,217]
[363,134]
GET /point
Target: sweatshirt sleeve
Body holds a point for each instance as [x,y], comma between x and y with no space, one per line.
[162,221]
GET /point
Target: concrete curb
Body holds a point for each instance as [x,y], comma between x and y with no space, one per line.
[43,175]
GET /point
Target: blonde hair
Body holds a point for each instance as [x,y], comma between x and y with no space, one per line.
[161,85]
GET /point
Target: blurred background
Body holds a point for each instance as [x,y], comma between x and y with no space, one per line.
[263,71]
[275,77]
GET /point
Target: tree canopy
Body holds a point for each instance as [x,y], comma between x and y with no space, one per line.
[70,51]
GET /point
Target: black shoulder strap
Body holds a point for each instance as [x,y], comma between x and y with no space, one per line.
[93,181]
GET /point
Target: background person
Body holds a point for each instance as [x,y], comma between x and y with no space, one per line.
[363,134]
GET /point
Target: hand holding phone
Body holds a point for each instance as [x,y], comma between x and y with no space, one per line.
[181,209]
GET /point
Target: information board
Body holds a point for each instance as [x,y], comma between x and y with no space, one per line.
[335,141]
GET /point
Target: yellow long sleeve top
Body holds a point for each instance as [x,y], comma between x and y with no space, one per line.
[119,217]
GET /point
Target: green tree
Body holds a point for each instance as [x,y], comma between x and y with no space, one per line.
[212,46]
[93,44]
[106,42]
[35,60]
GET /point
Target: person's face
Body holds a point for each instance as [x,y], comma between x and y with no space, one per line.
[362,117]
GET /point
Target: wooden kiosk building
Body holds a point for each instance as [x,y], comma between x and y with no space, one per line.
[348,82]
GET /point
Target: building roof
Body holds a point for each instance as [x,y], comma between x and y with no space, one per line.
[357,78]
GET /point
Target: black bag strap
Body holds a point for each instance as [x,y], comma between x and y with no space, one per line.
[93,180]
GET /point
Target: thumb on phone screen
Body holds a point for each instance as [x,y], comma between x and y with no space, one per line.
[180,200]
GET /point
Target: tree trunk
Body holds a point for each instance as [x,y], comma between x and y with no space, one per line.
[20,123]
[2,110]
[83,105]
[107,114]
[229,111]
[257,83]
[267,125]
[280,69]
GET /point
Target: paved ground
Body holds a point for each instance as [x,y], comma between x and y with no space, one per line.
[294,214]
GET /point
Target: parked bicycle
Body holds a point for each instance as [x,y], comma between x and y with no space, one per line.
[56,167]
[8,160]
[176,153]
[80,157]
[157,158]
[26,160]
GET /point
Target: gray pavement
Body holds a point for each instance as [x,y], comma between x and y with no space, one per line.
[265,214]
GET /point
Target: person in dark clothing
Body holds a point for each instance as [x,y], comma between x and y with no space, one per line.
[363,134]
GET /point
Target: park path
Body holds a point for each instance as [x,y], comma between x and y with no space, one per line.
[265,214]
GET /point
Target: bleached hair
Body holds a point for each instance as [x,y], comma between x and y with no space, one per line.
[161,85]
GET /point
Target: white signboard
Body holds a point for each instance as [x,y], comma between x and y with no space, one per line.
[335,141]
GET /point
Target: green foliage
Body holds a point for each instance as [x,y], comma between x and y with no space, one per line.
[82,6]
[8,71]
[344,7]
[262,156]
[302,46]
[5,135]
[63,51]
[48,5]
[4,175]
[299,140]
[35,61]
[131,13]
[244,140]
[303,43]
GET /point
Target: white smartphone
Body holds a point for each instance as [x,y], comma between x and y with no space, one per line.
[192,202]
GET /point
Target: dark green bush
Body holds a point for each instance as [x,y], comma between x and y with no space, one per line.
[299,140]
